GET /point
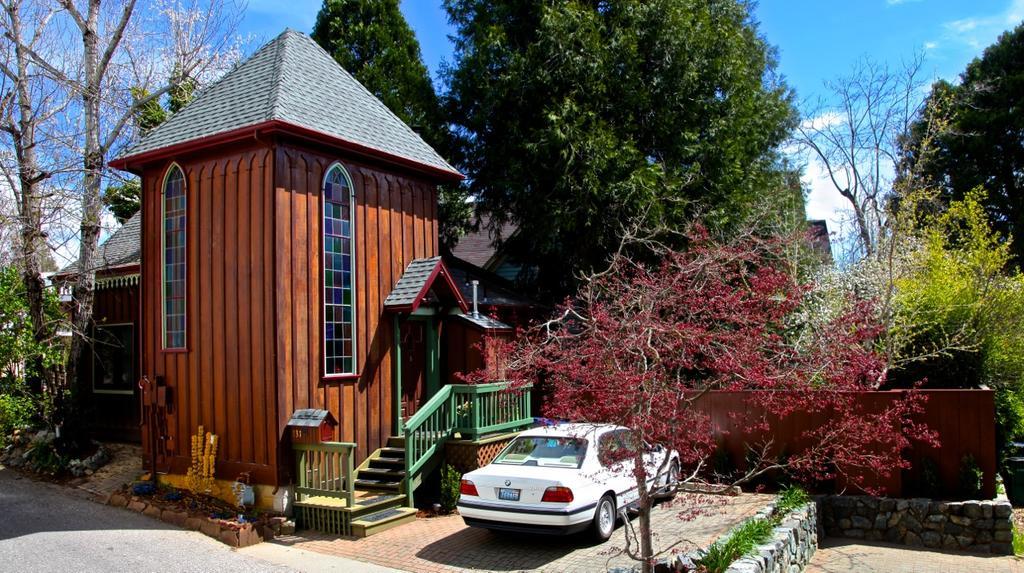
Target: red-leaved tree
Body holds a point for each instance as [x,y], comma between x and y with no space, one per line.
[641,344]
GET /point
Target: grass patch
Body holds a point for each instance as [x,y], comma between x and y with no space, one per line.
[791,498]
[722,553]
[1018,542]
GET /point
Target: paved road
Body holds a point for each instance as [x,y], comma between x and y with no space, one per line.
[51,529]
[846,555]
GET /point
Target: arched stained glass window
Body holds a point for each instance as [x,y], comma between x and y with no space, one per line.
[174,205]
[339,282]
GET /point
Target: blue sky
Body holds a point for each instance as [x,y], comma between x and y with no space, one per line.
[817,40]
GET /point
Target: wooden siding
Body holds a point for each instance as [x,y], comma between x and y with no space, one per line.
[225,378]
[395,222]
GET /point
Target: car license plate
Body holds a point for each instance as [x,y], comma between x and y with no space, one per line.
[507,494]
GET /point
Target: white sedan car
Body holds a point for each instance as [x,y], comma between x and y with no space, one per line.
[562,479]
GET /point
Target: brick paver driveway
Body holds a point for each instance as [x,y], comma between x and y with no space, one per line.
[845,555]
[444,544]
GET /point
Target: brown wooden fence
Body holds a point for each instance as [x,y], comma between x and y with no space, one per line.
[963,419]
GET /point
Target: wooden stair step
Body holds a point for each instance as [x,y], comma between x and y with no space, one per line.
[389,474]
[396,442]
[378,485]
[390,452]
[382,520]
[387,463]
[324,502]
[378,500]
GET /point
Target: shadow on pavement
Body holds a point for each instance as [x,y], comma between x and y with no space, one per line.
[481,549]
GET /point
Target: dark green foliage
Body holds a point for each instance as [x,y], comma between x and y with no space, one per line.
[1009,420]
[46,455]
[16,411]
[451,479]
[123,199]
[372,40]
[984,144]
[147,115]
[578,117]
[970,478]
[18,346]
[741,542]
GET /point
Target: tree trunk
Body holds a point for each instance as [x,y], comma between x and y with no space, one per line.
[646,539]
[30,206]
[83,292]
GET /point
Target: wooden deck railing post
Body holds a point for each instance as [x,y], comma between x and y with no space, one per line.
[349,477]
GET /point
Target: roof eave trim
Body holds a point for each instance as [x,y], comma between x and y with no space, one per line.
[126,163]
[112,268]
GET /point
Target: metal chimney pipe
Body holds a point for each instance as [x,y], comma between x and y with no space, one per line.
[476,311]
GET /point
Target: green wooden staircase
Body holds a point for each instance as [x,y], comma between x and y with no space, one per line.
[332,497]
[335,496]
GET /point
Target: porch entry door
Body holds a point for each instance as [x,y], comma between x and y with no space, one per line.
[414,366]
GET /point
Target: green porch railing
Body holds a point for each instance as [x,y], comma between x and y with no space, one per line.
[472,410]
[326,469]
[488,408]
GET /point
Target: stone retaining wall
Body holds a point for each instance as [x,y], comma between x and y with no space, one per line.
[977,526]
[794,542]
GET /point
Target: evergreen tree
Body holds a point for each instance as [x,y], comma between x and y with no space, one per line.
[577,117]
[373,42]
[984,142]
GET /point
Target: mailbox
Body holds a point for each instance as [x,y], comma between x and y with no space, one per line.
[311,426]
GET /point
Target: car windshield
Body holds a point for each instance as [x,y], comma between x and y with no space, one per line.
[553,452]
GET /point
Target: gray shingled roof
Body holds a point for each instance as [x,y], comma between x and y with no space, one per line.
[292,79]
[122,248]
[412,282]
[477,246]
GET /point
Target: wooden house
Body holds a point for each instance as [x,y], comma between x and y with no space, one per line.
[108,376]
[290,260]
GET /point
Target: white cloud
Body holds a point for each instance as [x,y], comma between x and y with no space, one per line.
[929,46]
[898,2]
[981,30]
[823,120]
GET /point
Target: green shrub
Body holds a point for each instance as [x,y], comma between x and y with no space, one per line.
[741,542]
[790,498]
[43,455]
[1018,542]
[1009,419]
[15,412]
[970,478]
[451,479]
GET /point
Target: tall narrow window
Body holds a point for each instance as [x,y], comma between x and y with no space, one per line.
[339,308]
[173,241]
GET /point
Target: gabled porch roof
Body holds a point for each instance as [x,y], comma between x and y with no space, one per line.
[422,277]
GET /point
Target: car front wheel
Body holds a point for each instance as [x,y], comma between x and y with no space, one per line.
[604,518]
